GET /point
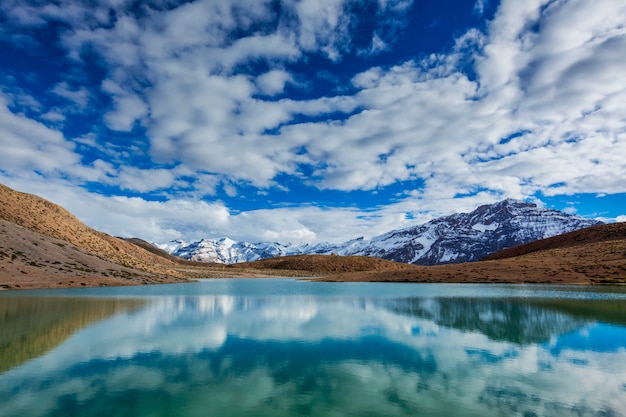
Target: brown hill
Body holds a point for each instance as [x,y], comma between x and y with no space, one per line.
[593,234]
[41,241]
[29,260]
[325,264]
[39,215]
[42,216]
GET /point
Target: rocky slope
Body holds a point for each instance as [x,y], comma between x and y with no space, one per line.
[462,237]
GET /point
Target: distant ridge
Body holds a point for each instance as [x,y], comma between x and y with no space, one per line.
[460,237]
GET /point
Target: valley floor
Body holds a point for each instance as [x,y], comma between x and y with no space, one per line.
[479,272]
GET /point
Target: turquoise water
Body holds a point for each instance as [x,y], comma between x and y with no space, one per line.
[296,348]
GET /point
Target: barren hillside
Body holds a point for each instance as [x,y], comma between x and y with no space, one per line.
[595,234]
[44,217]
[43,245]
[29,260]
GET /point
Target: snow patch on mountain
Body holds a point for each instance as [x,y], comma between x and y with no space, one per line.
[483,227]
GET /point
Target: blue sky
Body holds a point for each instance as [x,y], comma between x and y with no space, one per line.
[311,120]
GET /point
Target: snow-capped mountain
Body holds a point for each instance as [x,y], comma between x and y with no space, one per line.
[461,237]
[224,250]
[466,237]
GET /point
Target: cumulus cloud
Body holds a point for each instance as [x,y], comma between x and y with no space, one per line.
[135,216]
[191,219]
[273,82]
[29,145]
[199,108]
[427,119]
[128,107]
[79,96]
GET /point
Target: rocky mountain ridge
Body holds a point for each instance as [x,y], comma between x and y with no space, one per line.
[460,237]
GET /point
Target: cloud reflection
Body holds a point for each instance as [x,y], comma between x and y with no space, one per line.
[329,356]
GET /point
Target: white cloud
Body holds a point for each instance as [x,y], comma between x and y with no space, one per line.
[377,46]
[79,96]
[143,180]
[480,6]
[54,116]
[127,110]
[132,216]
[273,82]
[256,47]
[191,219]
[196,108]
[323,24]
[29,145]
[429,115]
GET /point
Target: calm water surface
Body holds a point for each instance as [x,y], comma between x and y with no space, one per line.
[294,348]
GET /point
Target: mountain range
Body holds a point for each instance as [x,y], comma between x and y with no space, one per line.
[461,237]
[42,245]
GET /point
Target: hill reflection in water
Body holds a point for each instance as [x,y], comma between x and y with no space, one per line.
[520,321]
[335,355]
[31,327]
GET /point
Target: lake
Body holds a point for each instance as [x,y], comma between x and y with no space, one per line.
[283,347]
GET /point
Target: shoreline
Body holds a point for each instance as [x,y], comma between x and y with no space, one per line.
[25,284]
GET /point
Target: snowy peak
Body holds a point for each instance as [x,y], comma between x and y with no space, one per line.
[461,237]
[225,251]
[465,237]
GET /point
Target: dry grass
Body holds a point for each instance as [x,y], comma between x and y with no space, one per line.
[46,218]
[595,234]
[324,264]
[30,260]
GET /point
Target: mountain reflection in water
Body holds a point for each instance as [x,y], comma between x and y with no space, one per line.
[334,355]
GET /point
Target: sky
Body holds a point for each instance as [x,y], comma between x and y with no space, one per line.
[311,120]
